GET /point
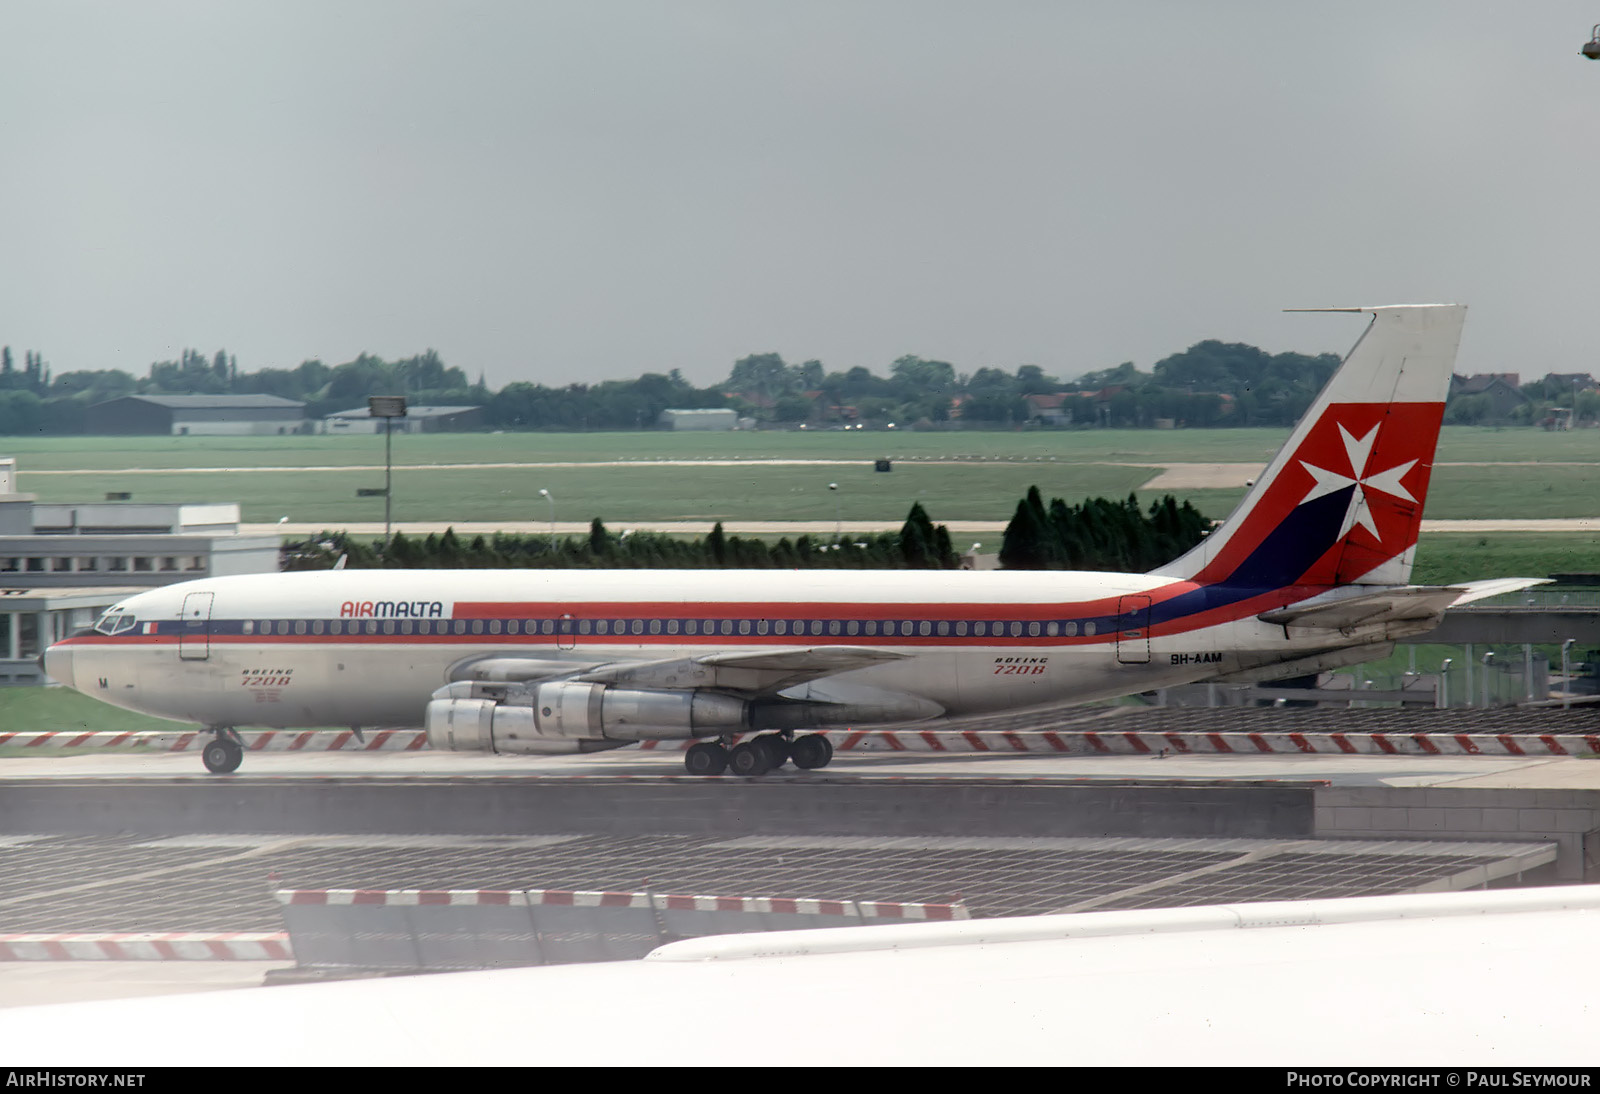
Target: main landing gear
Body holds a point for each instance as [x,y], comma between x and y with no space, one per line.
[224,751]
[758,755]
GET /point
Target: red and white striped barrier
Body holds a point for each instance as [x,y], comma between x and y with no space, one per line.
[411,898]
[1075,742]
[266,740]
[145,947]
[1133,743]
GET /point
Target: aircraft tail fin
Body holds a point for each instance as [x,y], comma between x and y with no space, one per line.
[1341,502]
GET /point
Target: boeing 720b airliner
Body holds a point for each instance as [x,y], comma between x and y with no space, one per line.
[1310,572]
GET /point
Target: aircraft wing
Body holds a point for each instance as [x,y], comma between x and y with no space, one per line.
[1343,610]
[757,672]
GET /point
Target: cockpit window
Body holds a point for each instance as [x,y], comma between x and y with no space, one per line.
[115,621]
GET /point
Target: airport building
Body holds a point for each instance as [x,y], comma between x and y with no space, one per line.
[418,419]
[198,416]
[706,419]
[62,564]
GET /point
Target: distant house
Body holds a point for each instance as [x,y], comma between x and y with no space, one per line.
[1500,388]
[418,419]
[1050,409]
[710,418]
[197,415]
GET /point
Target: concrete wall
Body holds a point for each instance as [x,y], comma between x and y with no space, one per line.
[700,807]
[1571,818]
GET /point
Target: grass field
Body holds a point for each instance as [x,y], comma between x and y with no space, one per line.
[1500,473]
[62,710]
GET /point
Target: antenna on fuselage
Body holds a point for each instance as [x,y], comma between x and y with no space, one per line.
[342,560]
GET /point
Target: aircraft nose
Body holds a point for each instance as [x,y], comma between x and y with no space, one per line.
[57,663]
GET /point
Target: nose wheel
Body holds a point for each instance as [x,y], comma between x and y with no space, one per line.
[224,752]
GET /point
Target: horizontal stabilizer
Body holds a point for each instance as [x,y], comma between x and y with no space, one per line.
[1340,610]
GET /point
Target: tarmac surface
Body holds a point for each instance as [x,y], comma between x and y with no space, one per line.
[158,881]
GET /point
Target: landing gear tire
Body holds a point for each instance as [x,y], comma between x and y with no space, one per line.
[750,759]
[777,751]
[706,758]
[222,755]
[811,751]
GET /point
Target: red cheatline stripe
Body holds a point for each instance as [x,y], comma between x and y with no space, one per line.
[1427,745]
[1383,742]
[1344,743]
[1553,745]
[1509,743]
[932,739]
[972,738]
[1260,742]
[1218,743]
[1467,744]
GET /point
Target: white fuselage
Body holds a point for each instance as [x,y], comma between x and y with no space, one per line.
[368,648]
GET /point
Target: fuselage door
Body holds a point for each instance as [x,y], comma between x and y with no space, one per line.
[194,630]
[566,629]
[1133,630]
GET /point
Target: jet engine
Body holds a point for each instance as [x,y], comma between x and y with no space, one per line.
[567,716]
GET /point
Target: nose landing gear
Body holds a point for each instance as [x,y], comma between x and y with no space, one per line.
[224,752]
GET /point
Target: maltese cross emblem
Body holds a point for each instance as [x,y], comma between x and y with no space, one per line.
[1384,482]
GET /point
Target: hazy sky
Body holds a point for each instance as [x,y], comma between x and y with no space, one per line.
[575,191]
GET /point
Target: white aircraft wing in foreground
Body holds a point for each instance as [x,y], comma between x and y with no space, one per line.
[1456,980]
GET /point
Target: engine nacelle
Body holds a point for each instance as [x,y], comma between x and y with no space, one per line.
[575,717]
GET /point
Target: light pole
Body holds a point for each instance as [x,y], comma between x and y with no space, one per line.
[547,496]
[833,488]
[1488,659]
[387,407]
[1444,684]
[1566,676]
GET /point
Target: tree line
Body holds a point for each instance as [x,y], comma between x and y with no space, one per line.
[1210,384]
[1097,535]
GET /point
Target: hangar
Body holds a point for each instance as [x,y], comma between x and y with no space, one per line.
[198,415]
